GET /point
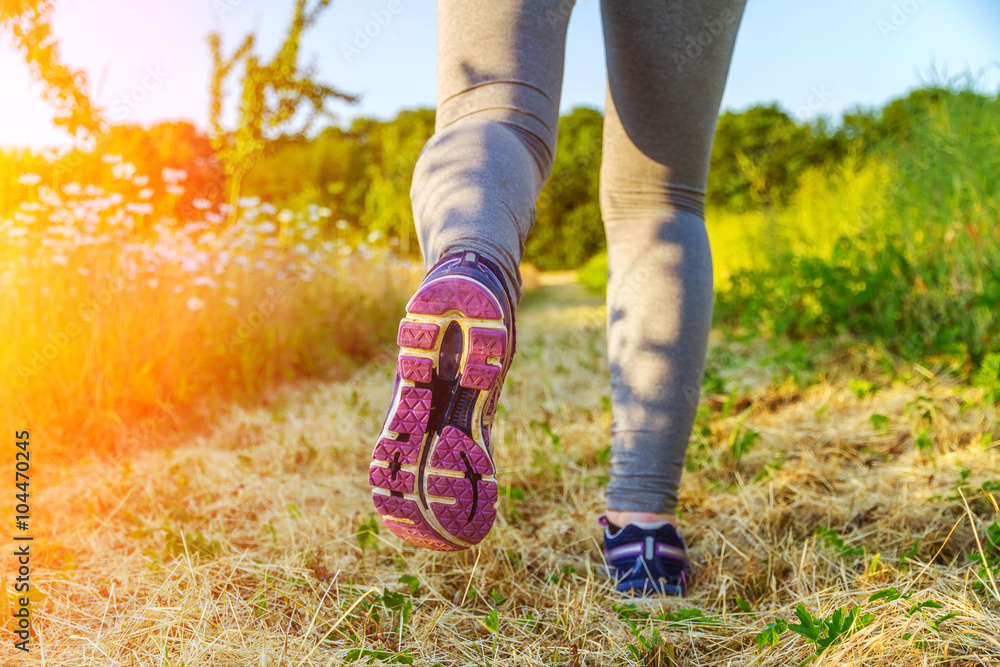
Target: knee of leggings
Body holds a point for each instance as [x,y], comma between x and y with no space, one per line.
[630,202]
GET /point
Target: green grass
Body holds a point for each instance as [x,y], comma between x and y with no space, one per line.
[901,249]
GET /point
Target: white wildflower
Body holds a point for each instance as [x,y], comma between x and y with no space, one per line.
[194,303]
[141,181]
[29,179]
[202,204]
[175,190]
[173,175]
[145,193]
[123,171]
[72,189]
[285,217]
[49,197]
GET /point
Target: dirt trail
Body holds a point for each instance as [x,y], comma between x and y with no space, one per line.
[241,548]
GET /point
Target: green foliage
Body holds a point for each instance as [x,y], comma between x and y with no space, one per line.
[771,634]
[921,275]
[741,441]
[987,376]
[273,93]
[821,632]
[832,540]
[988,557]
[176,543]
[861,388]
[411,582]
[392,657]
[647,646]
[374,616]
[367,534]
[912,552]
[759,154]
[879,422]
[568,229]
[594,273]
[63,88]
[492,621]
[547,460]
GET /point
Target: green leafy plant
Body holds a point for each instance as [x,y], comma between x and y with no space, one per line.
[879,422]
[771,634]
[988,557]
[987,376]
[914,549]
[492,621]
[832,539]
[546,460]
[367,534]
[392,657]
[861,388]
[821,632]
[412,582]
[741,441]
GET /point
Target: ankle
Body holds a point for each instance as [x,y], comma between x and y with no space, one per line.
[620,518]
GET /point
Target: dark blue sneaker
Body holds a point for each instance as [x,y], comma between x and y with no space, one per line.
[646,559]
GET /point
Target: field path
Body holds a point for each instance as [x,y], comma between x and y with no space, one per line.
[243,546]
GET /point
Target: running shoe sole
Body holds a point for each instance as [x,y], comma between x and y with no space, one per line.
[432,473]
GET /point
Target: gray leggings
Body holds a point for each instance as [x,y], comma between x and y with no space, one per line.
[500,67]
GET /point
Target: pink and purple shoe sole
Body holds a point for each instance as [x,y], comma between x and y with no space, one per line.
[432,474]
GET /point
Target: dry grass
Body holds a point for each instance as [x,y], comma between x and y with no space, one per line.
[240,548]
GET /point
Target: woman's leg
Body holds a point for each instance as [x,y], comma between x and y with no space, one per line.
[474,190]
[667,67]
[500,67]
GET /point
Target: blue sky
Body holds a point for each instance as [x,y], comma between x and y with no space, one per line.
[147,60]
